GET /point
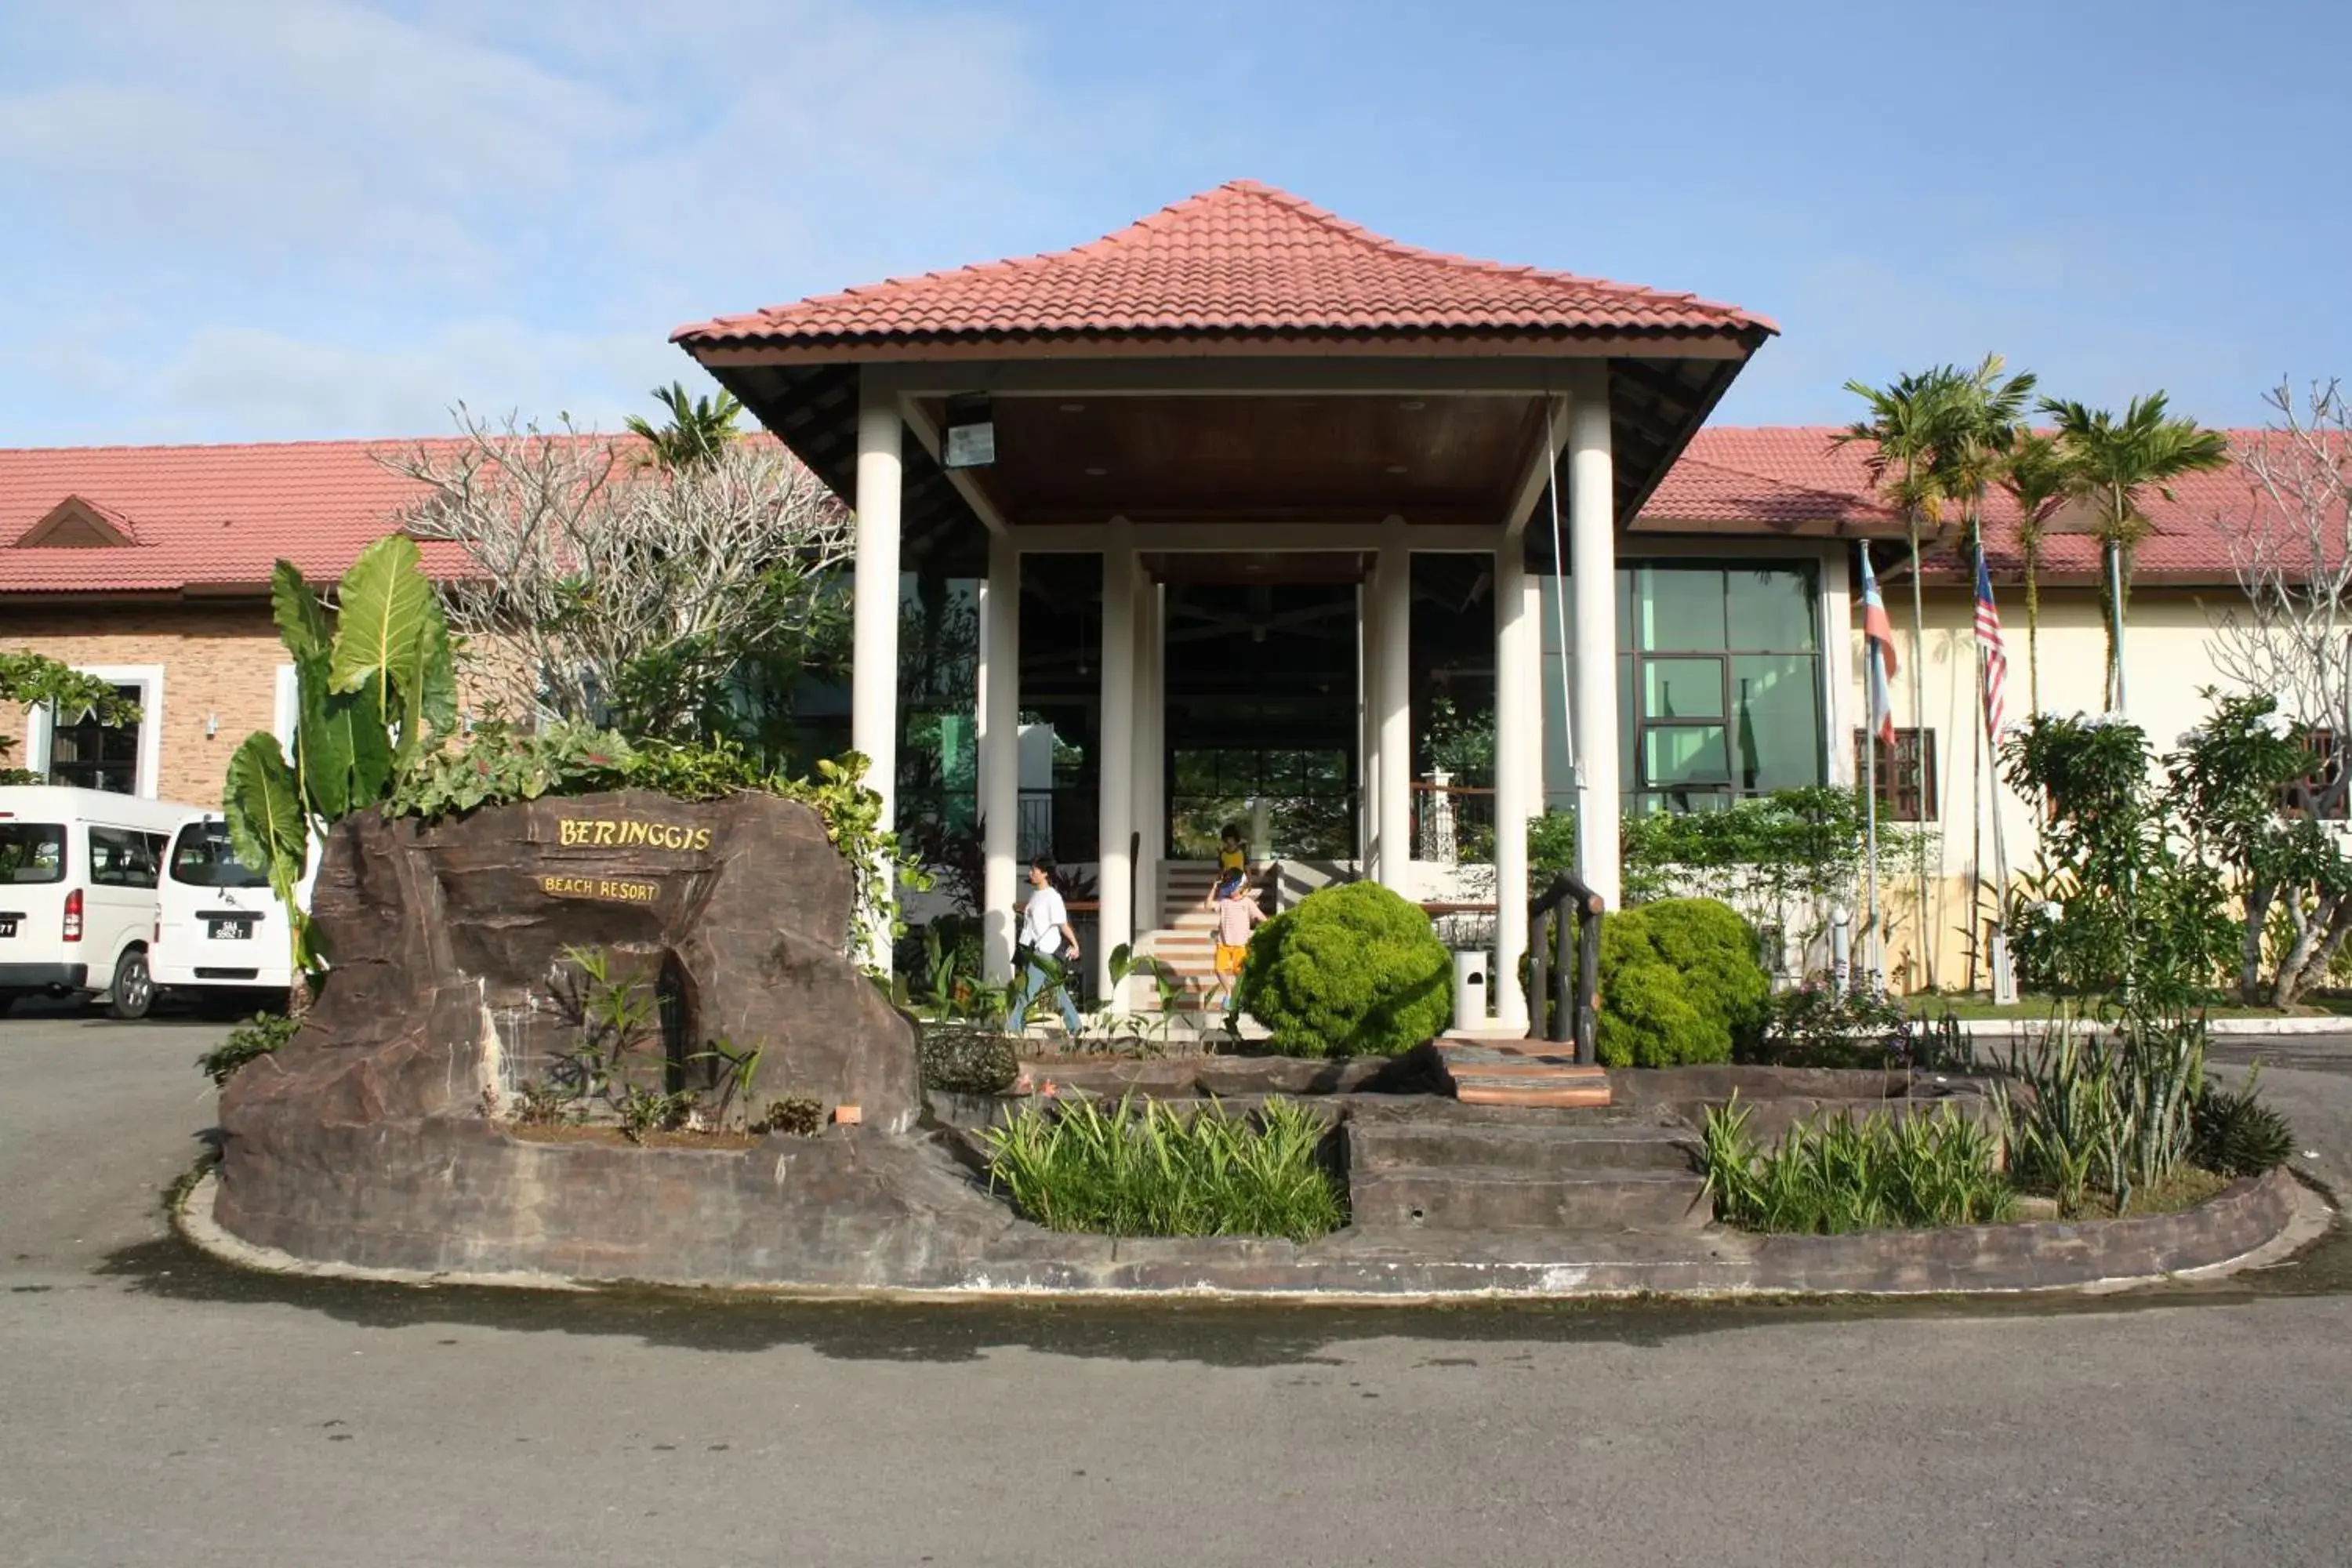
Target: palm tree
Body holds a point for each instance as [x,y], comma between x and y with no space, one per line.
[697,428]
[2116,462]
[2038,479]
[1909,430]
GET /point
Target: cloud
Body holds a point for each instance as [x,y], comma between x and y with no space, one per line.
[324,217]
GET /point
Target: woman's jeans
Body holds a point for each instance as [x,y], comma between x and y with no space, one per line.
[1034,974]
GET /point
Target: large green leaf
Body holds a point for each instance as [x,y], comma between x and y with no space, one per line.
[383,606]
[345,752]
[430,695]
[265,821]
[301,620]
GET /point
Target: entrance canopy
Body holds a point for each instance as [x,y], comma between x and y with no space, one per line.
[1244,390]
[1241,356]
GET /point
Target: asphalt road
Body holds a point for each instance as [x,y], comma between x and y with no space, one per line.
[157,1409]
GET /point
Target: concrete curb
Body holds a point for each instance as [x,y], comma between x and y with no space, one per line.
[2252,1224]
[2010,1028]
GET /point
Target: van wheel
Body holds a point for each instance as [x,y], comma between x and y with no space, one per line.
[134,990]
[8,1000]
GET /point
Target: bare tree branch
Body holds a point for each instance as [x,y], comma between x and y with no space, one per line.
[601,588]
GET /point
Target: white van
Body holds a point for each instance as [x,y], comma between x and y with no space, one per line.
[219,928]
[78,875]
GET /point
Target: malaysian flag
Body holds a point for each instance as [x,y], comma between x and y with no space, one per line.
[1996,657]
[1879,640]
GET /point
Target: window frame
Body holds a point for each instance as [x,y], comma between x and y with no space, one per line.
[147,777]
[1920,743]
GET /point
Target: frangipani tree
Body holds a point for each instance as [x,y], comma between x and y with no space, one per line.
[2116,464]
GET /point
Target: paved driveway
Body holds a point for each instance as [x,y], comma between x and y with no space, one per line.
[156,1409]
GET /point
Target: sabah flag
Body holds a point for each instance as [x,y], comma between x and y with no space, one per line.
[1879,640]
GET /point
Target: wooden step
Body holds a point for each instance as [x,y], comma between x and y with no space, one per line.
[1514,1072]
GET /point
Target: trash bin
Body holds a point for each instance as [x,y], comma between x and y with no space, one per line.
[1469,989]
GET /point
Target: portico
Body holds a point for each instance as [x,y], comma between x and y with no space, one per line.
[1243,389]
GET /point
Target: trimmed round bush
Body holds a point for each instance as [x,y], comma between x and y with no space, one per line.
[1353,971]
[1679,982]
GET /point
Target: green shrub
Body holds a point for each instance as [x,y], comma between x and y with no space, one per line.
[257,1036]
[1353,971]
[2234,1133]
[1877,1174]
[1121,1171]
[967,1059]
[1679,982]
[1812,1026]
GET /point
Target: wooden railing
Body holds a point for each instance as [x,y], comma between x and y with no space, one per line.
[1564,941]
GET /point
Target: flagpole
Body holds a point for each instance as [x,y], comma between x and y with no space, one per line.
[1869,834]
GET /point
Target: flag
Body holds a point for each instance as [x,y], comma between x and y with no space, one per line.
[1996,657]
[1879,640]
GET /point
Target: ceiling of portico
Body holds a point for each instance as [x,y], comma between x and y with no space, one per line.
[1239,459]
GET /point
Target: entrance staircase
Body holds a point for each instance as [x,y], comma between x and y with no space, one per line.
[1186,940]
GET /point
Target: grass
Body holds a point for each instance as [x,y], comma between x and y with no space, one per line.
[1153,1171]
[1877,1174]
[2182,1187]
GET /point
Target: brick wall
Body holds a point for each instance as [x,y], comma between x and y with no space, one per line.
[220,661]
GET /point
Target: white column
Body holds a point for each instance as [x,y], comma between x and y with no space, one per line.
[1368,750]
[874,646]
[1392,586]
[1592,560]
[1114,878]
[1518,763]
[999,754]
[1151,814]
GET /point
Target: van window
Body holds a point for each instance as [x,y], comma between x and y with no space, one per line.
[205,856]
[32,852]
[122,857]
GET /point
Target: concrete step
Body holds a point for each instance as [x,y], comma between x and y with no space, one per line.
[1488,1071]
[1473,1197]
[1548,1151]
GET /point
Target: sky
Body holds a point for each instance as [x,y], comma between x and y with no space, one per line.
[288,219]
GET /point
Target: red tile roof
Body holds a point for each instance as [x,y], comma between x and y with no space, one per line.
[203,517]
[217,518]
[1244,260]
[1793,480]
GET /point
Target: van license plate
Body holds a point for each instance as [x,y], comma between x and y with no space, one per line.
[7,925]
[229,930]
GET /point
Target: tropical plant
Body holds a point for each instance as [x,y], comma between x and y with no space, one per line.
[1817,1025]
[1679,982]
[33,680]
[250,1041]
[1148,1027]
[2234,1133]
[374,692]
[2116,464]
[1157,1171]
[1881,1173]
[2038,479]
[2118,903]
[698,427]
[2229,786]
[2081,1113]
[1353,969]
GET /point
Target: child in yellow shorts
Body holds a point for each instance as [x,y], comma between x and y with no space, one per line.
[1238,914]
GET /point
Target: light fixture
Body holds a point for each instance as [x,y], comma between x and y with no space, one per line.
[1413,405]
[1074,408]
[1396,467]
[1096,473]
[212,725]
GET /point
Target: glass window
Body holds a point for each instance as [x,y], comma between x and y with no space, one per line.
[120,857]
[1904,772]
[88,755]
[32,852]
[1719,685]
[1678,608]
[204,856]
[1771,610]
